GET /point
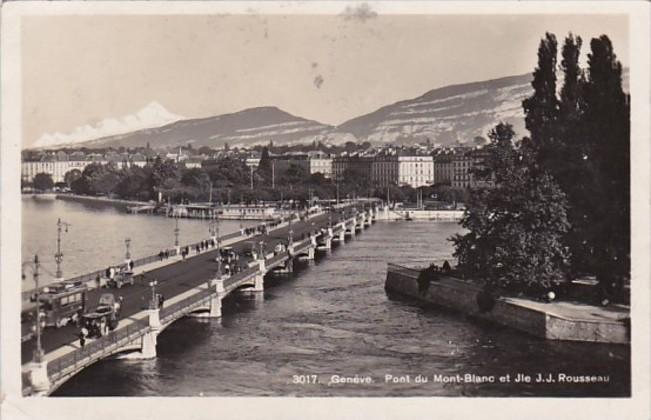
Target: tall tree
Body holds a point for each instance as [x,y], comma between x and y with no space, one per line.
[541,109]
[569,166]
[264,167]
[607,121]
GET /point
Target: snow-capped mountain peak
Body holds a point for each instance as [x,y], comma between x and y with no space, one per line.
[152,115]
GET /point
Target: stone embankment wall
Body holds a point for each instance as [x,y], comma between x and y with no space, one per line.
[555,321]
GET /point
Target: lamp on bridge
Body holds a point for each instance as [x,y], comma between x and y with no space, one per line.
[127,242]
[38,352]
[213,229]
[58,257]
[176,231]
[261,245]
[154,303]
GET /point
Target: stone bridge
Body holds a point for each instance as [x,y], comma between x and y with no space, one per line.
[136,336]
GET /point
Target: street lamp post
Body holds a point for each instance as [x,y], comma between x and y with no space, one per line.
[261,245]
[337,192]
[127,242]
[58,257]
[38,352]
[217,231]
[153,303]
[176,232]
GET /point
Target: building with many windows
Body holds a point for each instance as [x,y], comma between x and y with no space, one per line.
[415,171]
[443,168]
[56,169]
[346,164]
[384,170]
[465,163]
[321,163]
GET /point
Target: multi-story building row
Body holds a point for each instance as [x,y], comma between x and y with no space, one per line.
[57,169]
[388,167]
[384,170]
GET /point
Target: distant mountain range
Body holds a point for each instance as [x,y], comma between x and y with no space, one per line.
[152,115]
[447,116]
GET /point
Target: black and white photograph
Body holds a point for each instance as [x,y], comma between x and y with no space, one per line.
[370,202]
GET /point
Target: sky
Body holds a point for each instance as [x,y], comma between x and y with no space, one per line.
[79,70]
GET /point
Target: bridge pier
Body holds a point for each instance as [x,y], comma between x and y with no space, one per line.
[259,283]
[289,267]
[38,377]
[215,306]
[149,340]
[353,227]
[327,243]
[310,252]
[259,277]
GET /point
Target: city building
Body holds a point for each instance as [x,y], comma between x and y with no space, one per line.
[56,169]
[465,163]
[384,170]
[282,163]
[411,170]
[415,171]
[192,163]
[360,164]
[321,163]
[443,167]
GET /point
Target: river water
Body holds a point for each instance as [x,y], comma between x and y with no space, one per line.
[96,236]
[333,317]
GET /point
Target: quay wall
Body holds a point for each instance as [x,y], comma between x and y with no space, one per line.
[91,199]
[538,320]
[415,214]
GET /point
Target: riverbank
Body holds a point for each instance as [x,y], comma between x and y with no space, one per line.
[418,214]
[570,321]
[107,200]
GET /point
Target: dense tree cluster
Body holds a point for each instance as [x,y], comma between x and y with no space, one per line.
[43,182]
[516,227]
[561,206]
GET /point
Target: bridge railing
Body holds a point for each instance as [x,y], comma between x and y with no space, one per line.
[84,278]
[276,258]
[170,312]
[69,362]
[241,275]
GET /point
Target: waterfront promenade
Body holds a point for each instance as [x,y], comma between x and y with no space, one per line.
[181,281]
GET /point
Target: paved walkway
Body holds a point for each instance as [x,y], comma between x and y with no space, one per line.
[576,311]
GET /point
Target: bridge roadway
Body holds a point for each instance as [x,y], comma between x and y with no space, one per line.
[176,278]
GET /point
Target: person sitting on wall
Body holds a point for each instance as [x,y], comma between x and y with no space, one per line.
[426,276]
